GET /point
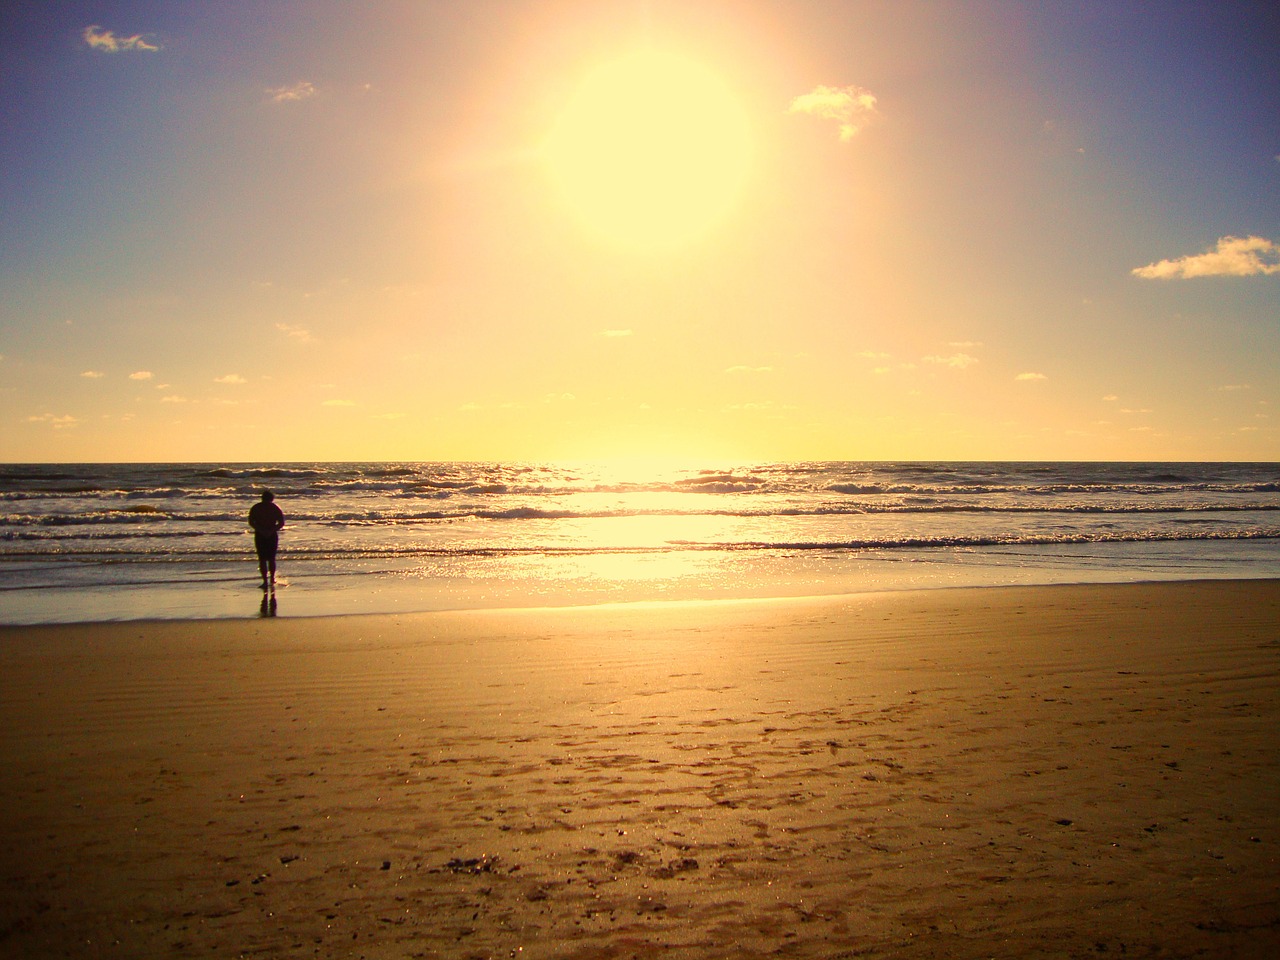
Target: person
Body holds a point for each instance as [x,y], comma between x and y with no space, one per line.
[266,519]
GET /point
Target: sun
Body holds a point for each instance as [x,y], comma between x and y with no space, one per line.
[651,150]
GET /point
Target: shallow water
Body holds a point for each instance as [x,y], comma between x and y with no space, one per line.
[107,542]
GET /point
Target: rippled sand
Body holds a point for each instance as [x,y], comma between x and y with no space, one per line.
[1053,771]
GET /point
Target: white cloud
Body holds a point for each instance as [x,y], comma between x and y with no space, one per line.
[1031,376]
[1232,257]
[301,90]
[141,375]
[58,423]
[293,332]
[230,378]
[472,407]
[765,405]
[93,374]
[1110,398]
[107,42]
[852,108]
[958,361]
[173,398]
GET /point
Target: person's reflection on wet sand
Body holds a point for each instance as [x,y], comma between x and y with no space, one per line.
[268,606]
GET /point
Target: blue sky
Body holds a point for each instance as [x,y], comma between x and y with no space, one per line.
[301,230]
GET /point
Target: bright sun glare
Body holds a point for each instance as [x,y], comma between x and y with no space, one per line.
[651,150]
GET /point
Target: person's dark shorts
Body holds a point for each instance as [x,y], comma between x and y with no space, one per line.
[266,544]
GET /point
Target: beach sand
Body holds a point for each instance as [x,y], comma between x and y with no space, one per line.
[1085,771]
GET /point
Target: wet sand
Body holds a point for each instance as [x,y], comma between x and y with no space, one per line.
[1049,771]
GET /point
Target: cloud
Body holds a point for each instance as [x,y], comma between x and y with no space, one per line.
[230,378]
[173,398]
[1110,398]
[852,108]
[58,423]
[741,368]
[1031,376]
[1232,257]
[765,405]
[958,361]
[93,374]
[140,375]
[339,403]
[472,407]
[1236,386]
[107,42]
[301,90]
[293,332]
[873,355]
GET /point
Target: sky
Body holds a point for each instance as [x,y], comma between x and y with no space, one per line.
[559,230]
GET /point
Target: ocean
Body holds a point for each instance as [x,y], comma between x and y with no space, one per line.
[93,542]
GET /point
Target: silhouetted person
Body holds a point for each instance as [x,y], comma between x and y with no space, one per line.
[266,520]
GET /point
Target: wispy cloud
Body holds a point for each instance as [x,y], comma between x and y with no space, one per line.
[230,378]
[1231,387]
[958,361]
[301,90]
[1031,376]
[852,108]
[339,403]
[106,41]
[472,406]
[141,375]
[1232,257]
[93,374]
[742,368]
[293,332]
[57,422]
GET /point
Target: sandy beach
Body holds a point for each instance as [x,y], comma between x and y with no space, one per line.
[1051,771]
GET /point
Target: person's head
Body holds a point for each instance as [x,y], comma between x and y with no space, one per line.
[267,496]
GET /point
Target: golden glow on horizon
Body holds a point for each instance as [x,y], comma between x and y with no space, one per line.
[651,150]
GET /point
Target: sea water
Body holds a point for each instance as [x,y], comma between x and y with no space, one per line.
[125,541]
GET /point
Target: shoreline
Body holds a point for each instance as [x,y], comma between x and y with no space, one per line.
[139,603]
[942,773]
